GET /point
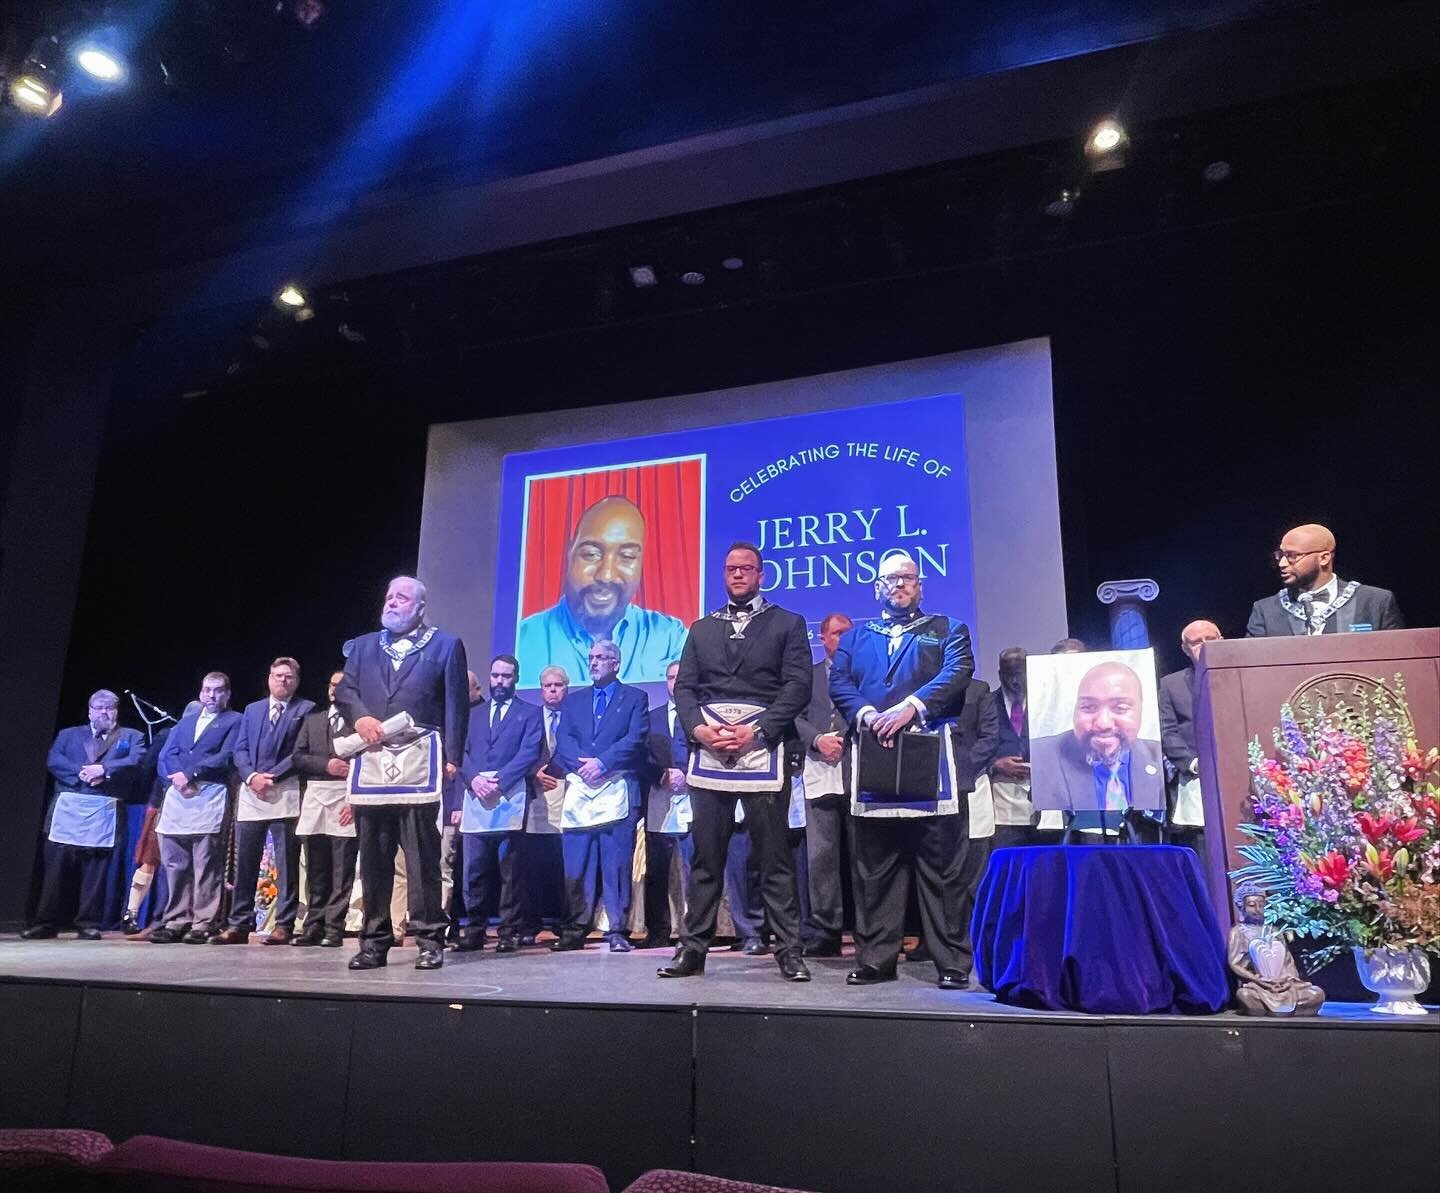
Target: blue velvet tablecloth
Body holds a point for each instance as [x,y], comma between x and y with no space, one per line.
[1117,930]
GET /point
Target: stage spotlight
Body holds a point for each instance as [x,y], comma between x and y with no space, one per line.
[643,275]
[290,296]
[1106,145]
[1061,205]
[100,64]
[35,87]
[693,277]
[733,263]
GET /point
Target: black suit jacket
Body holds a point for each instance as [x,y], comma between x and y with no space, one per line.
[771,668]
[976,733]
[431,685]
[819,716]
[314,746]
[1177,718]
[1011,744]
[1375,607]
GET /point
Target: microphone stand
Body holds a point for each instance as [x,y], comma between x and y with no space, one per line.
[151,723]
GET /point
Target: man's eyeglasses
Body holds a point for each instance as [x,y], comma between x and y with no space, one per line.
[1290,556]
[898,579]
[740,569]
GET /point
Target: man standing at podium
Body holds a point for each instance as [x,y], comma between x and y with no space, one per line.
[1315,600]
[906,671]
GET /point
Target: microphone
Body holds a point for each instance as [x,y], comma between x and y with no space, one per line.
[138,700]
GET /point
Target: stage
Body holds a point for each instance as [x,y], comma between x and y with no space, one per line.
[588,1056]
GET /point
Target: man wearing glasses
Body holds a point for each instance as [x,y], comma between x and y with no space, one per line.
[744,678]
[1315,600]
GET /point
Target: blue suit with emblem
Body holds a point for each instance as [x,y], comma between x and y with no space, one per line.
[80,833]
[494,835]
[617,739]
[929,666]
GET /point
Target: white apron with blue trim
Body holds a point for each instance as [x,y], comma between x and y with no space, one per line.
[406,772]
[945,802]
[758,772]
[320,812]
[192,815]
[668,811]
[83,818]
[590,807]
[503,812]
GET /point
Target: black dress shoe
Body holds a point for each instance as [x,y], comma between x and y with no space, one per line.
[332,940]
[231,936]
[430,958]
[507,944]
[470,943]
[655,940]
[128,924]
[38,932]
[687,963]
[755,947]
[823,948]
[308,938]
[367,959]
[568,944]
[919,953]
[527,939]
[89,934]
[953,979]
[199,936]
[792,965]
[869,975]
[620,943]
[163,936]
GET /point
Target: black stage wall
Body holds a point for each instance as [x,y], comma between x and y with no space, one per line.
[1212,387]
[848,1103]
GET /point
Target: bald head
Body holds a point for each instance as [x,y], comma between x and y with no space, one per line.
[1196,634]
[1107,711]
[603,569]
[1306,557]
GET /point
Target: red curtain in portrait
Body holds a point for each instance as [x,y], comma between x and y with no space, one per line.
[668,496]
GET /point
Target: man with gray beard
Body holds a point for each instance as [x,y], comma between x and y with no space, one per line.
[407,667]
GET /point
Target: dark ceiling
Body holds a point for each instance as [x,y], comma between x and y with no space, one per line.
[273,110]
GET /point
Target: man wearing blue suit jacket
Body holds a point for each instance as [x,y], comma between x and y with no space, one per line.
[502,750]
[94,768]
[196,765]
[902,668]
[269,803]
[602,740]
[405,667]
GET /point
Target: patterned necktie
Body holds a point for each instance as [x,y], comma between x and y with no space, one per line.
[1115,800]
[275,710]
[335,722]
[552,719]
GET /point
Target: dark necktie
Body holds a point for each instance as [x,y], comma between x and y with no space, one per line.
[601,697]
[497,714]
[335,722]
[275,710]
[1017,718]
[552,720]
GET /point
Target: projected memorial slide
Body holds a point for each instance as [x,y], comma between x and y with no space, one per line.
[623,539]
[543,532]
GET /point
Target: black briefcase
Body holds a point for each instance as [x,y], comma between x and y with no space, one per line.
[907,772]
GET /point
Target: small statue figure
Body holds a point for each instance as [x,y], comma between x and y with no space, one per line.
[1270,984]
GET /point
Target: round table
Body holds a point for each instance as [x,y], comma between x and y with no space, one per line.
[1115,930]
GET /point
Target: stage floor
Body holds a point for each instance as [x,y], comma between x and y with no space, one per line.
[593,977]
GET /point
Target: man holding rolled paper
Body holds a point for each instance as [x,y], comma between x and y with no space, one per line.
[406,692]
[744,677]
[898,681]
[601,749]
[502,750]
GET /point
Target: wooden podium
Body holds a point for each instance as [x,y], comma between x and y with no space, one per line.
[1240,684]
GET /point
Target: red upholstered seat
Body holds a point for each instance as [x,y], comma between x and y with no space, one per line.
[665,1180]
[60,1147]
[150,1163]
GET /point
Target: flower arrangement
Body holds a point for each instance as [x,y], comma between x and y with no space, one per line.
[1346,838]
[266,884]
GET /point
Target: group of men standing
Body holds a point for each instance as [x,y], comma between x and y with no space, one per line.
[408,759]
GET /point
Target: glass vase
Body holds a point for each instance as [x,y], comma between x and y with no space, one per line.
[1396,975]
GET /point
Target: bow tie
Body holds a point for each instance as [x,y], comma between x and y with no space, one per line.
[734,608]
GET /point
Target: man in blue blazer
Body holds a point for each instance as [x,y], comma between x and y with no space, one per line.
[502,751]
[404,667]
[268,803]
[196,765]
[602,741]
[94,767]
[906,668]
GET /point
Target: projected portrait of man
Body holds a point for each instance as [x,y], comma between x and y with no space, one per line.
[1102,764]
[603,565]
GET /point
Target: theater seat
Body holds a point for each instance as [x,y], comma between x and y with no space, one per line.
[148,1163]
[665,1180]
